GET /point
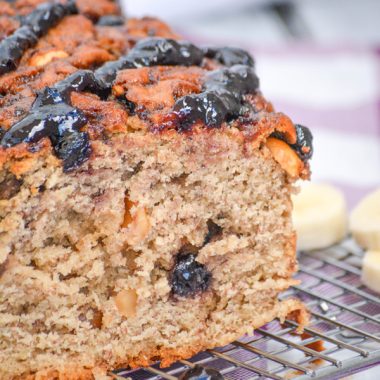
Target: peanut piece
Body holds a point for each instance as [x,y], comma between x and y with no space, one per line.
[285,156]
[126,301]
[138,224]
[42,59]
[127,212]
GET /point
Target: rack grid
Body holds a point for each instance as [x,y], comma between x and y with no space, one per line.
[343,336]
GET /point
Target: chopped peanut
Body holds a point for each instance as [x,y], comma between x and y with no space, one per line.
[126,301]
[285,156]
[139,227]
[138,224]
[42,59]
[127,212]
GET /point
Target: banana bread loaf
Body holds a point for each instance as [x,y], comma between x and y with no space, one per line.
[145,185]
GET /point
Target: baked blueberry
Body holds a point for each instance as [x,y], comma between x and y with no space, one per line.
[304,144]
[73,148]
[48,96]
[201,373]
[221,98]
[189,277]
[164,51]
[82,80]
[45,121]
[106,74]
[206,107]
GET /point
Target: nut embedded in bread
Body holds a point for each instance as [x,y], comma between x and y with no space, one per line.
[144,194]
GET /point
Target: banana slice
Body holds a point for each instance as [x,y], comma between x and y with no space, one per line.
[371,270]
[365,221]
[319,216]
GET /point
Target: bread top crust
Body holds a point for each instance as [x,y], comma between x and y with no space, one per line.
[158,84]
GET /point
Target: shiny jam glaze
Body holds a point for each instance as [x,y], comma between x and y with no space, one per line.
[53,116]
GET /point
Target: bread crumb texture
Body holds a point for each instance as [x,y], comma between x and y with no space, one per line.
[86,258]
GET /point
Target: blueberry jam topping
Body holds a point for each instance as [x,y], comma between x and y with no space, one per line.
[206,107]
[111,20]
[151,52]
[12,48]
[46,16]
[230,56]
[82,80]
[163,51]
[201,373]
[44,121]
[188,277]
[304,143]
[221,98]
[33,26]
[73,148]
[51,117]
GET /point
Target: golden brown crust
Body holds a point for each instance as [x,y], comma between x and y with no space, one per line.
[77,43]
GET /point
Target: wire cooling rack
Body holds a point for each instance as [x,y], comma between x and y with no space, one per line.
[342,338]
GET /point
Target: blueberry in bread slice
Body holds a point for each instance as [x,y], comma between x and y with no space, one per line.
[145,185]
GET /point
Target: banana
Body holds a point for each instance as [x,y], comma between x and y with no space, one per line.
[371,270]
[365,221]
[319,216]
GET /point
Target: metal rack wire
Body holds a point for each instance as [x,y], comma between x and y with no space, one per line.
[343,336]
